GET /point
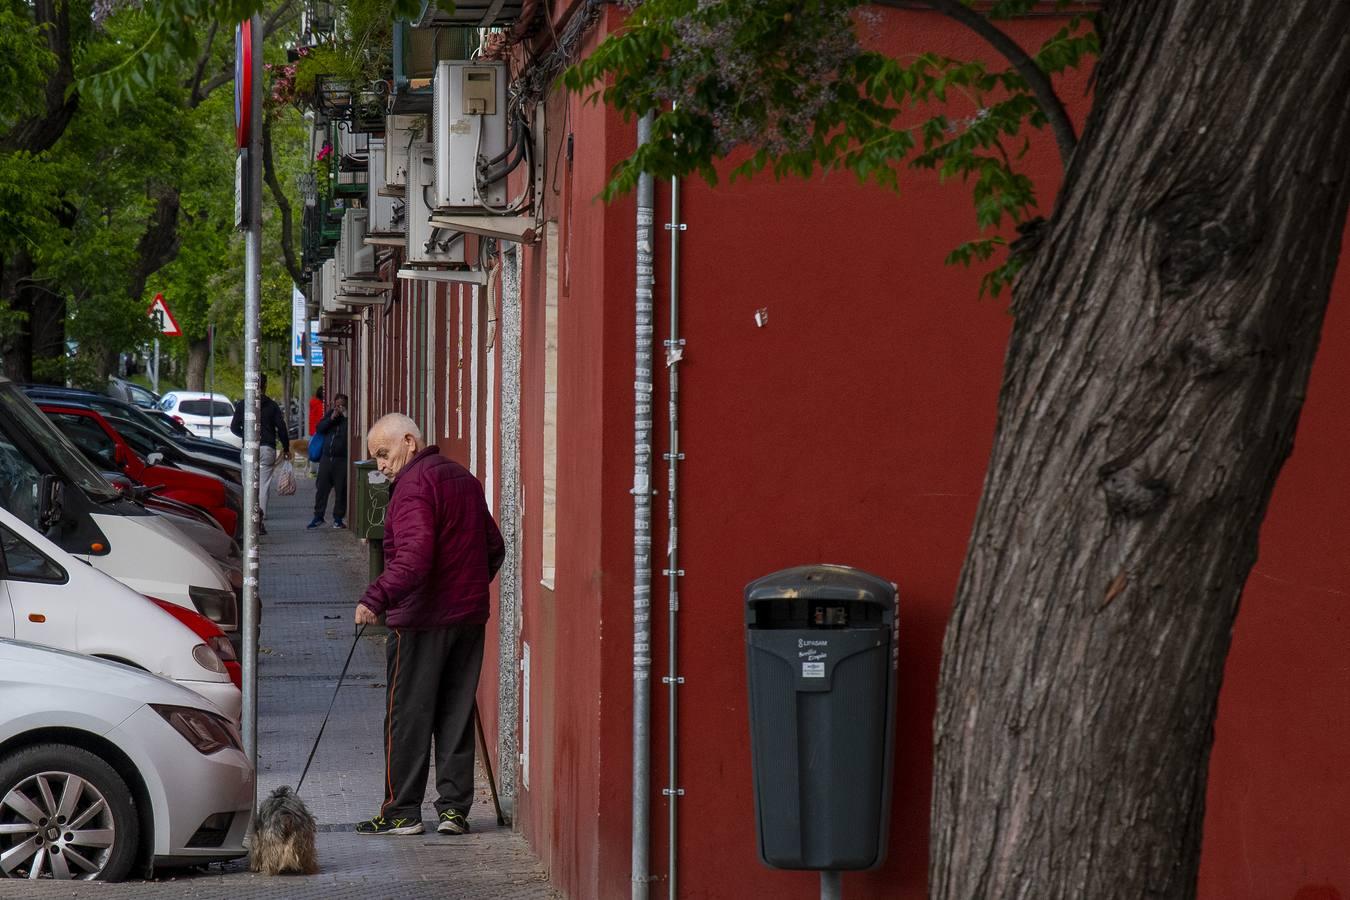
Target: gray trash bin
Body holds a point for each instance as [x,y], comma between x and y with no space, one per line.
[821,667]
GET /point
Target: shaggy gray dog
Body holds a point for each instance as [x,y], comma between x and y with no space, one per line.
[283,836]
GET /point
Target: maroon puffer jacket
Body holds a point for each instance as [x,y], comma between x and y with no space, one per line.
[441,547]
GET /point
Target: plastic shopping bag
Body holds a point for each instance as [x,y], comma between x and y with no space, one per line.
[316,442]
[286,479]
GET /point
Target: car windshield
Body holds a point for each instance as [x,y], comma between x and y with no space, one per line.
[134,415]
[206,408]
[18,482]
[68,461]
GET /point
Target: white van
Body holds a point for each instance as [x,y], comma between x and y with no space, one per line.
[47,484]
[49,597]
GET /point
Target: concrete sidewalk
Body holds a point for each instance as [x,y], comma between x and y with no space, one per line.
[310,583]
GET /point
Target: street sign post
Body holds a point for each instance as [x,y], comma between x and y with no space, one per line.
[248,127]
[164,324]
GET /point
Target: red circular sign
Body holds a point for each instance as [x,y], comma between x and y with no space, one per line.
[243,82]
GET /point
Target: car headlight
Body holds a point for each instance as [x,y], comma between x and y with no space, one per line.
[217,605]
[208,658]
[224,649]
[203,730]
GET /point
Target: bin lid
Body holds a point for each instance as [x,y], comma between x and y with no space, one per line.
[822,582]
[365,464]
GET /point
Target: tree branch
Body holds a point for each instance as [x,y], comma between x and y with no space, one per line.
[159,243]
[38,133]
[274,21]
[195,97]
[284,204]
[279,17]
[1032,74]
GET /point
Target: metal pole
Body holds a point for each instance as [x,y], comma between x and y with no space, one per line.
[211,377]
[674,352]
[252,309]
[155,377]
[642,526]
[307,390]
[831,886]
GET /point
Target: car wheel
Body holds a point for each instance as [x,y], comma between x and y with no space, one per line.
[66,814]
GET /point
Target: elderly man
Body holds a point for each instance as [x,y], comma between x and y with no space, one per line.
[441,551]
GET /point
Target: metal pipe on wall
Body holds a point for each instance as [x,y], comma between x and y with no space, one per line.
[674,353]
[642,524]
[509,695]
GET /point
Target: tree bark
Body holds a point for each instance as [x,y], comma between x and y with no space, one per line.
[1164,333]
[16,290]
[198,351]
[41,132]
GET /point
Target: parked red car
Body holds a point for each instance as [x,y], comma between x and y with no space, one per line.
[101,443]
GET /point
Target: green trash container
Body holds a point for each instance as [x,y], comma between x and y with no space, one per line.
[372,497]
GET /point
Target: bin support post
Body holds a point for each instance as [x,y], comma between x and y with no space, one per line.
[831,886]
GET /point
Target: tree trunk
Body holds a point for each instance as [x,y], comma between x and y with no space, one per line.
[198,351]
[1164,333]
[16,291]
[40,132]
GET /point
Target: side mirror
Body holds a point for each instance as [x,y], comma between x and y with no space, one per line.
[51,491]
[154,459]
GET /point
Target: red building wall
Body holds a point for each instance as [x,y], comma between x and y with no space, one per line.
[853,427]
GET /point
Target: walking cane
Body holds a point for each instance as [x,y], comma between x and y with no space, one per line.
[487,764]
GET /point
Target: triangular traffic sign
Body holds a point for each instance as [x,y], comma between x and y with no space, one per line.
[159,311]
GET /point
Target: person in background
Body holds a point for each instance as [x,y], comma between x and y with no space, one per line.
[332,464]
[315,410]
[272,433]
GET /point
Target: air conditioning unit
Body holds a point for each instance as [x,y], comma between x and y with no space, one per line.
[386,213]
[468,123]
[427,245]
[352,147]
[357,258]
[327,277]
[400,133]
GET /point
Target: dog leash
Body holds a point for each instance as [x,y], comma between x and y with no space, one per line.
[360,631]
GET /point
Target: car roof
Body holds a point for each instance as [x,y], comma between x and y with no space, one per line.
[197,395]
[55,390]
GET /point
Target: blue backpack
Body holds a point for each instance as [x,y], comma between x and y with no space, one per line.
[316,446]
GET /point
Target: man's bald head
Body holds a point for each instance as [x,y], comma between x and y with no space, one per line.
[393,441]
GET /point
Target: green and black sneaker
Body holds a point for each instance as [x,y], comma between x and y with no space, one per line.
[453,822]
[381,825]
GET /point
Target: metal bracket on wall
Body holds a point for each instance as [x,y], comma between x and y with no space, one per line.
[678,572]
[682,226]
[679,679]
[673,792]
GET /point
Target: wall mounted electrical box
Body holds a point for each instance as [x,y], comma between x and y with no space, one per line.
[386,212]
[400,133]
[468,124]
[427,245]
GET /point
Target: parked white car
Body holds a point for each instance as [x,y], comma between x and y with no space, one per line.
[103,766]
[46,481]
[51,598]
[205,415]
